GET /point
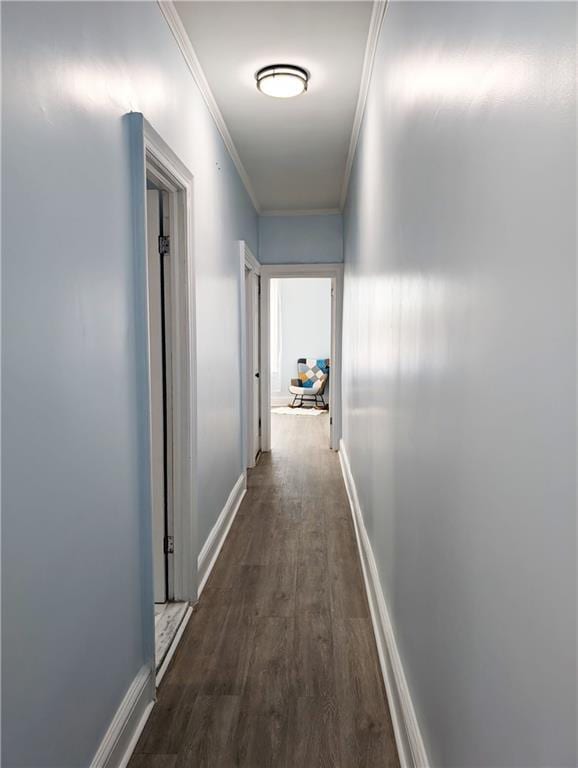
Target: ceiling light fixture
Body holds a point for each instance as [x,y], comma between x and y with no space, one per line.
[282,80]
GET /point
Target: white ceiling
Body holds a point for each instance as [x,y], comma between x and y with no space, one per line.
[293,150]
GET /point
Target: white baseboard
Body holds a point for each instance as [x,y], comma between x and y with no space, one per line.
[217,536]
[411,749]
[279,400]
[123,733]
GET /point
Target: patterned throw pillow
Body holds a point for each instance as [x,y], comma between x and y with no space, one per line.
[310,370]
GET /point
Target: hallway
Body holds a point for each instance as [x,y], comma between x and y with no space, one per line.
[278,664]
[179,176]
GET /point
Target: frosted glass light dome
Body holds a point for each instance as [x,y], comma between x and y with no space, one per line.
[282,80]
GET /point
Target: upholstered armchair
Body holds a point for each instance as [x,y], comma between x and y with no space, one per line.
[310,384]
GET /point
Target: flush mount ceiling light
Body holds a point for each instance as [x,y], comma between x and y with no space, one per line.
[282,80]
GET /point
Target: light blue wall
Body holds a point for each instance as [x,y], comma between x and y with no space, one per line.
[301,239]
[73,487]
[460,369]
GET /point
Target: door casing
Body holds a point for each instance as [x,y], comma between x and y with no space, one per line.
[335,272]
[170,175]
[160,410]
[151,157]
[251,419]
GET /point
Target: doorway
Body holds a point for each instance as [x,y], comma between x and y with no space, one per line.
[269,274]
[319,338]
[171,378]
[250,355]
[169,613]
[300,357]
[158,223]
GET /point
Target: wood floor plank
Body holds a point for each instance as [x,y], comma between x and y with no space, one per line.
[270,681]
[268,697]
[227,669]
[210,738]
[312,588]
[197,645]
[365,730]
[168,721]
[153,761]
[315,668]
[313,739]
[277,667]
[274,594]
[284,538]
[348,598]
[263,739]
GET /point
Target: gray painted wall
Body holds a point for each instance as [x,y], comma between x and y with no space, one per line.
[460,369]
[301,239]
[72,483]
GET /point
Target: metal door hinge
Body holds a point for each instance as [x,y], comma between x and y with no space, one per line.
[164,244]
[169,545]
[331,420]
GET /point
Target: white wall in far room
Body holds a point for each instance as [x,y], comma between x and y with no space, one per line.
[304,329]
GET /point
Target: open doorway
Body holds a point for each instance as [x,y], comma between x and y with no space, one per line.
[300,355]
[169,613]
[301,307]
[250,355]
[171,393]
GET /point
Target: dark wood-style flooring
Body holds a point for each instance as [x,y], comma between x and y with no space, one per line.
[278,665]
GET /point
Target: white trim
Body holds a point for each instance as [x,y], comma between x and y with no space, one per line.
[250,261]
[145,143]
[246,261]
[410,745]
[123,733]
[183,40]
[243,363]
[217,536]
[377,16]
[279,400]
[173,646]
[135,131]
[307,212]
[328,269]
[335,272]
[176,178]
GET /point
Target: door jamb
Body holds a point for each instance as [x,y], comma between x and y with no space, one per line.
[151,155]
[173,176]
[335,272]
[246,261]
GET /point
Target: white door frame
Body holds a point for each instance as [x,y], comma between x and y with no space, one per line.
[247,261]
[335,272]
[160,484]
[152,157]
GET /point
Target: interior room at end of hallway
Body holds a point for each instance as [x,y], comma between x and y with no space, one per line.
[300,329]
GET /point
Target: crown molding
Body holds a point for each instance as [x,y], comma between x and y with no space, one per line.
[306,212]
[377,16]
[177,27]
